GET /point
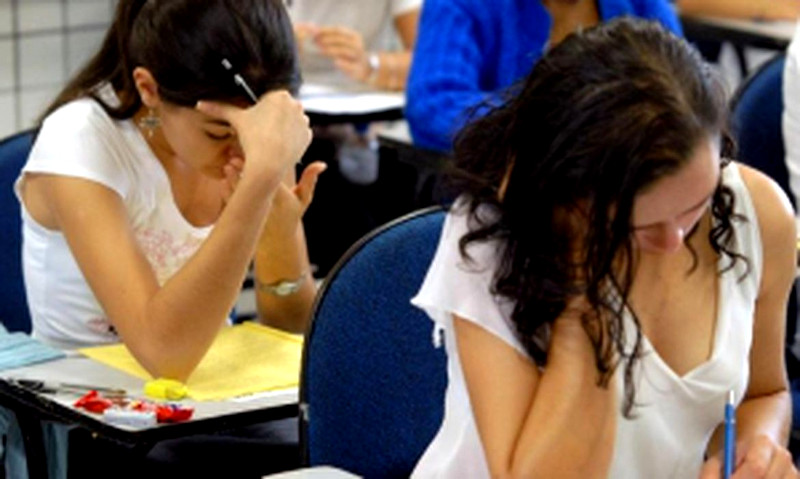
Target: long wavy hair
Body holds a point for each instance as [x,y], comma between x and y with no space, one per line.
[601,117]
[183,43]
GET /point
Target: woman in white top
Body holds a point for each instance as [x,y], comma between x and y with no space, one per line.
[148,190]
[356,41]
[606,277]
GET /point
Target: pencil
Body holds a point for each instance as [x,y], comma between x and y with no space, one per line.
[729,452]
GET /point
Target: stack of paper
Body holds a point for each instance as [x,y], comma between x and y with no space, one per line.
[244,359]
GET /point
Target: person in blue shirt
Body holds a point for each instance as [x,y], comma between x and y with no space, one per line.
[467,50]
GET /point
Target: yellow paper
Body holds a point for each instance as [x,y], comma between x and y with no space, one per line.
[244,359]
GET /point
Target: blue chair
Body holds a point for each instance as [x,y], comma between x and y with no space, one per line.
[372,383]
[756,111]
[13,303]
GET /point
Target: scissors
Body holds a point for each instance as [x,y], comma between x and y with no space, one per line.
[52,388]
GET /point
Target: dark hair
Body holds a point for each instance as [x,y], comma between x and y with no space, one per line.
[182,43]
[601,117]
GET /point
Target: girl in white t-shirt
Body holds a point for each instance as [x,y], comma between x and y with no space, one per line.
[149,187]
[161,171]
[606,278]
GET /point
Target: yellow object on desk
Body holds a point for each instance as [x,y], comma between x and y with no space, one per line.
[163,388]
[244,359]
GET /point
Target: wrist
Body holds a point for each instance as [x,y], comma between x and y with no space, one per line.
[373,67]
[283,286]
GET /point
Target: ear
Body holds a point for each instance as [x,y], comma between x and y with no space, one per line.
[147,87]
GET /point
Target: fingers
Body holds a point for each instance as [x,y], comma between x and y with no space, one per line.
[764,459]
[232,172]
[337,36]
[712,468]
[781,465]
[305,29]
[308,182]
[336,42]
[757,459]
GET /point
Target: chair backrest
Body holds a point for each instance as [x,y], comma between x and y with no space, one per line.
[756,112]
[372,383]
[13,304]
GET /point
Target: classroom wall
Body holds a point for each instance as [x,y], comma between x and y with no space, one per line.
[42,43]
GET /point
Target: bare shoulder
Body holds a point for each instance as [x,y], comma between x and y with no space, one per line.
[774,210]
[776,223]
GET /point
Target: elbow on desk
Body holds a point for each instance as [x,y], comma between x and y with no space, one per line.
[165,361]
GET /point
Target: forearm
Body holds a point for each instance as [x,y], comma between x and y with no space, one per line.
[570,429]
[280,258]
[182,318]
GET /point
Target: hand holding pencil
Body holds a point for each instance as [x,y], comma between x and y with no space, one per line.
[758,458]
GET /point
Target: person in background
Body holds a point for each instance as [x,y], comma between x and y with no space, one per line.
[356,41]
[607,276]
[352,46]
[156,179]
[746,9]
[468,50]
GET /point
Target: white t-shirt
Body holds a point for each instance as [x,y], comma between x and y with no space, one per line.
[373,19]
[668,437]
[80,140]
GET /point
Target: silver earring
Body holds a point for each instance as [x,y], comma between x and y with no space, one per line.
[150,122]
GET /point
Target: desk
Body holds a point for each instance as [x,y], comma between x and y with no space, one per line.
[326,104]
[771,35]
[209,416]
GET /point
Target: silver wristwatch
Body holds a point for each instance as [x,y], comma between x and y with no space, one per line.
[284,287]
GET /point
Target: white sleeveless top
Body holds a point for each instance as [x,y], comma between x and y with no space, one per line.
[677,414]
[80,140]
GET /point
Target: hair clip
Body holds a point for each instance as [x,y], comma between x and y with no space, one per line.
[239,80]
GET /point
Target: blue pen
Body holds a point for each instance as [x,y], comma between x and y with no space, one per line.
[730,437]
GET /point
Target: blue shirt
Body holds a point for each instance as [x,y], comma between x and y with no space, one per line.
[469,49]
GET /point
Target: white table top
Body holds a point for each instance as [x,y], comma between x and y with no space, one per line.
[329,99]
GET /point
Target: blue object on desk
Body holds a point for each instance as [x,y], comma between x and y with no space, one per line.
[19,349]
